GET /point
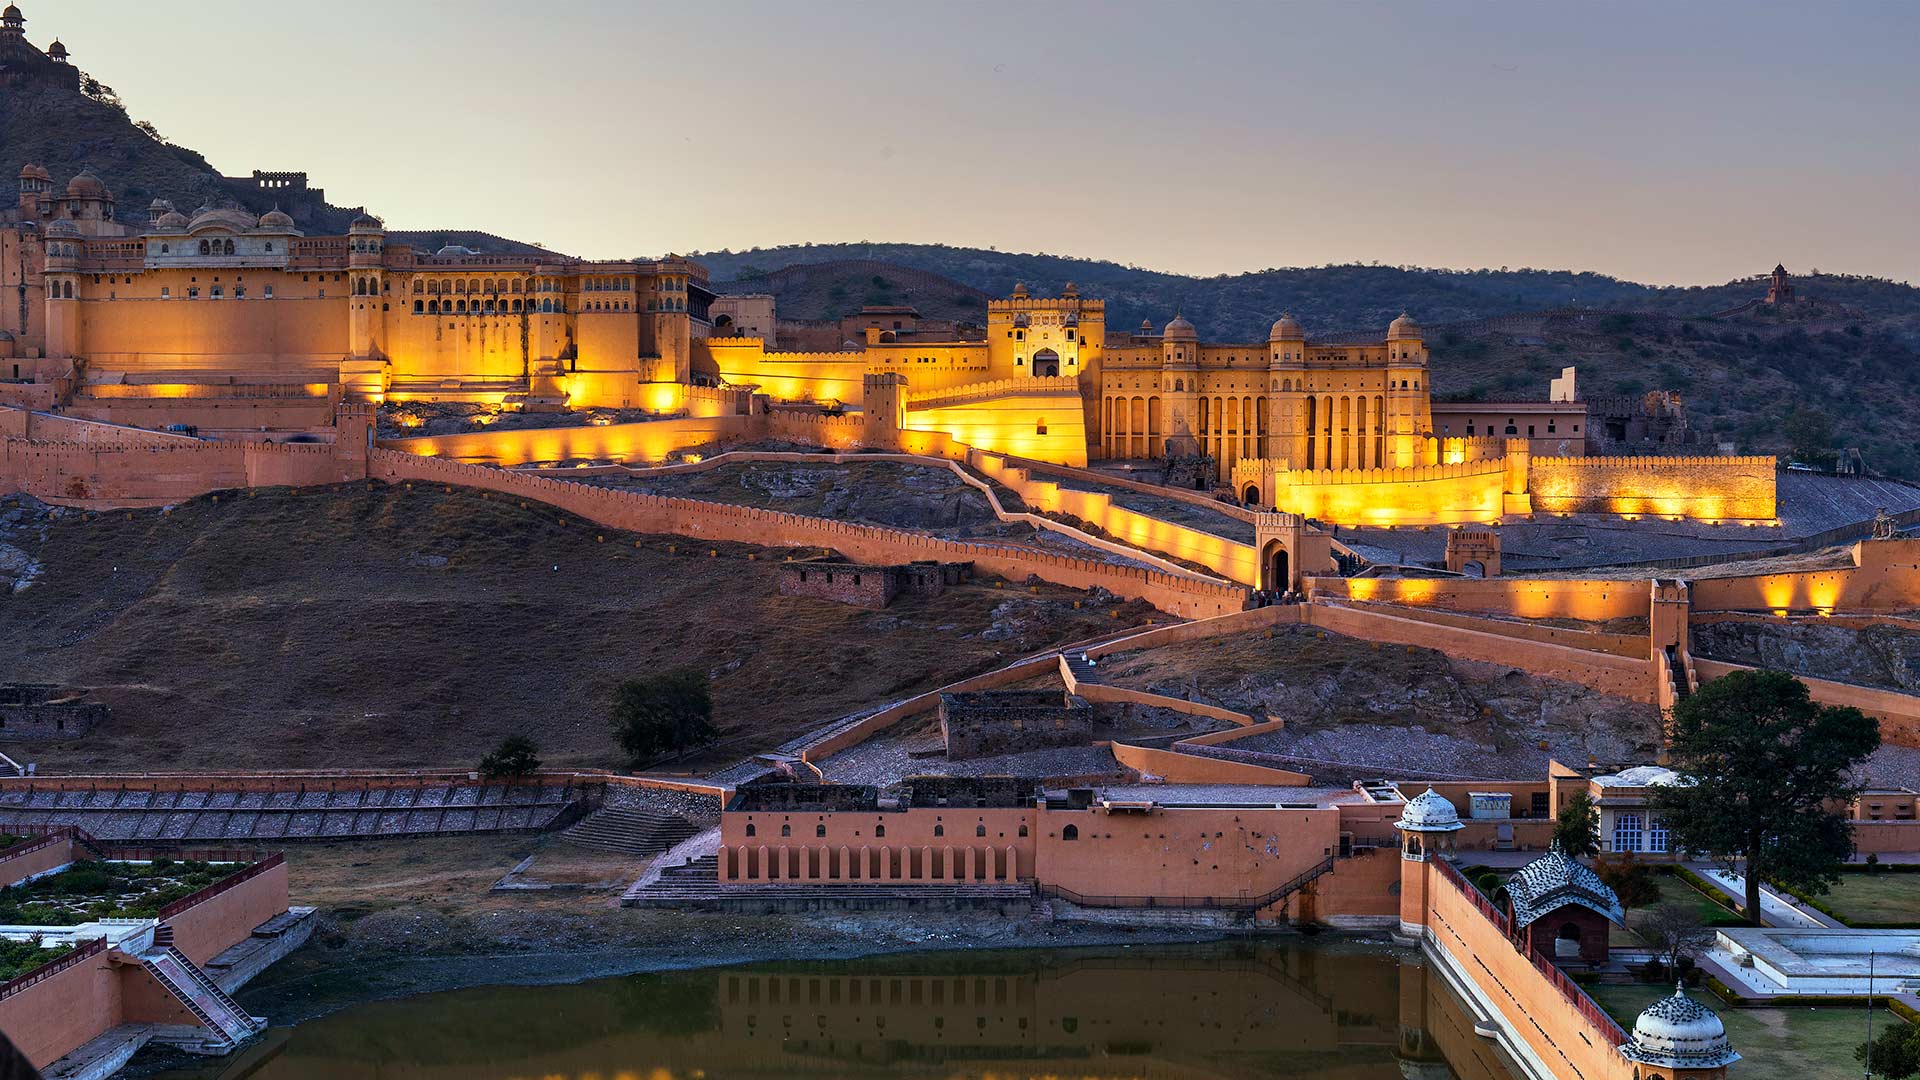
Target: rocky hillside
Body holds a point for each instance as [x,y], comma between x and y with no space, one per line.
[67,132]
[418,627]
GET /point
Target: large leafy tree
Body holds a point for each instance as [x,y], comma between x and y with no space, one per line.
[1769,768]
[662,713]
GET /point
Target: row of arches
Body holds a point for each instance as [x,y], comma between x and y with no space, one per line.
[867,863]
[1346,432]
[489,306]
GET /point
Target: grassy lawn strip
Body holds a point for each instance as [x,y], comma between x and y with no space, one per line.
[1800,1042]
[106,890]
[1876,900]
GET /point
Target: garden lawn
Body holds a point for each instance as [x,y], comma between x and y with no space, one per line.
[1866,899]
[1798,1042]
[106,890]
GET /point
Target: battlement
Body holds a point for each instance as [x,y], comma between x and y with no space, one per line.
[1064,303]
[1053,385]
[1410,474]
[1654,463]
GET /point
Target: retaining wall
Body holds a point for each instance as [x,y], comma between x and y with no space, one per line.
[646,441]
[1605,672]
[1899,714]
[632,511]
[1594,600]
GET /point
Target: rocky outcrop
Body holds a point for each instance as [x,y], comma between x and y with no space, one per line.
[1883,656]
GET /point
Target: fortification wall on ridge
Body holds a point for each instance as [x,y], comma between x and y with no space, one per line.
[633,511]
[1703,488]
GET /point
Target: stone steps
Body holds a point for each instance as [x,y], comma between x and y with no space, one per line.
[638,831]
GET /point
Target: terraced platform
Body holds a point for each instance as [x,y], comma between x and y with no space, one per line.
[165,817]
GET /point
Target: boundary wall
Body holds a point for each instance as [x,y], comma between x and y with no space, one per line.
[650,440]
[1703,488]
[1189,597]
[1898,713]
[1591,600]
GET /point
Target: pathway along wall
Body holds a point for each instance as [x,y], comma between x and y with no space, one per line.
[636,512]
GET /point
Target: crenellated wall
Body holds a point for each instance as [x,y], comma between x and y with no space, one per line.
[101,476]
[1701,488]
[641,442]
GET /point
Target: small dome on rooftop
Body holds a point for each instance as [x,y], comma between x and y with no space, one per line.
[1679,1033]
[1403,327]
[367,223]
[63,227]
[86,186]
[35,172]
[1429,811]
[275,219]
[1285,328]
[172,219]
[1179,330]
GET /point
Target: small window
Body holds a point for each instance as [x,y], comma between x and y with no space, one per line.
[1023,830]
[786,830]
[751,831]
[979,830]
[879,830]
[820,829]
[939,830]
[1071,832]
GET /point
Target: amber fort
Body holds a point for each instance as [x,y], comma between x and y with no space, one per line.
[1244,637]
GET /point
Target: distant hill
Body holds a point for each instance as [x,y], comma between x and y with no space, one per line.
[829,290]
[1240,307]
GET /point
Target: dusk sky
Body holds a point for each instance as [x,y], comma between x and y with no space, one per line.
[1664,142]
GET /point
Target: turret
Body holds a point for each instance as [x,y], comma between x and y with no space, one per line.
[366,241]
[12,23]
[1409,410]
[1426,826]
[57,52]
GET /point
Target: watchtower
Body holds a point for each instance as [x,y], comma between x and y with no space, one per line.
[1474,552]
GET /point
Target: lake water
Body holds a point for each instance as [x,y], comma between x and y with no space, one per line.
[1301,1010]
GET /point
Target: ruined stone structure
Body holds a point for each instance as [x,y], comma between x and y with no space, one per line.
[988,723]
[869,586]
[1779,286]
[37,712]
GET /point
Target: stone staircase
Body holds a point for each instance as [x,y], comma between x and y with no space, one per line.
[227,1024]
[636,830]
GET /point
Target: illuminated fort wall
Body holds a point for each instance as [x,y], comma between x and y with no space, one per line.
[1701,488]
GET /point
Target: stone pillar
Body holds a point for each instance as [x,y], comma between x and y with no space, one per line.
[1519,461]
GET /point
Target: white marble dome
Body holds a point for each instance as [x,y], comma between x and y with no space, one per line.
[1429,812]
[1679,1033]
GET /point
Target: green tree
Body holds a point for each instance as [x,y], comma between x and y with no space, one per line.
[1809,434]
[1767,767]
[1577,827]
[517,755]
[662,713]
[1894,1053]
[1631,881]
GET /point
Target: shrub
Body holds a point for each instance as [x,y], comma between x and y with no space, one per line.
[662,713]
[1631,881]
[517,755]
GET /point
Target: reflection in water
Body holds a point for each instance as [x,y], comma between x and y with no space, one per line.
[1229,1011]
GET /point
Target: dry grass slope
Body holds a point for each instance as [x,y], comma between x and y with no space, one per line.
[390,627]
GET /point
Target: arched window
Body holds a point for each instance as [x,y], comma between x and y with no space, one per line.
[1071,832]
[204,249]
[786,830]
[164,249]
[418,286]
[820,830]
[269,247]
[880,831]
[980,830]
[751,831]
[516,305]
[228,248]
[433,307]
[939,830]
[1023,830]
[417,307]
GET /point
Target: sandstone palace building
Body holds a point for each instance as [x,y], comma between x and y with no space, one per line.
[244,326]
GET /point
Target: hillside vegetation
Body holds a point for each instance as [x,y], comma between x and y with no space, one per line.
[349,627]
